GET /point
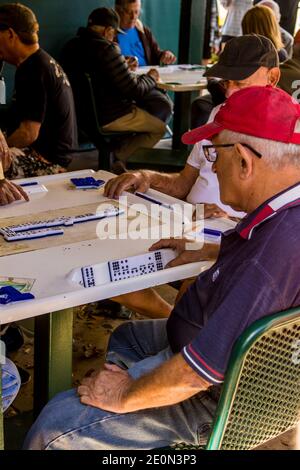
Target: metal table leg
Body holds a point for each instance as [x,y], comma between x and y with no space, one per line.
[52,356]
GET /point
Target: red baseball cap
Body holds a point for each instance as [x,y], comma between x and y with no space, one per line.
[265,112]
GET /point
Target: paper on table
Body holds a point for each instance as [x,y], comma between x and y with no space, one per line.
[22,284]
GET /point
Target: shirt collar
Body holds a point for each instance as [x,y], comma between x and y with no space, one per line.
[278,203]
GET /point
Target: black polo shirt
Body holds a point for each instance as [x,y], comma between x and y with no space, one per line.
[43,94]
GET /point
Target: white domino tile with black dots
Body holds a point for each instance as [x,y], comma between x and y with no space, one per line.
[118,270]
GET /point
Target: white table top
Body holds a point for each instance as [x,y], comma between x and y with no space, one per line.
[49,266]
[179,77]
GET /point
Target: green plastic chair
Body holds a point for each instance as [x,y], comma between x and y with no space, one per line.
[260,397]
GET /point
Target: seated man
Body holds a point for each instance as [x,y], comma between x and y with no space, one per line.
[245,61]
[156,389]
[9,192]
[139,40]
[290,71]
[43,112]
[116,89]
[140,47]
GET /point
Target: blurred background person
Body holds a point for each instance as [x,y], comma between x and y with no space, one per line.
[286,37]
[289,10]
[290,71]
[261,20]
[140,48]
[139,41]
[233,22]
[212,31]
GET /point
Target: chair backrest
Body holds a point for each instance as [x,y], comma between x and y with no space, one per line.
[72,60]
[260,397]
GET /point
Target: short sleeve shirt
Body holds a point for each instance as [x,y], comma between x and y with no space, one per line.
[44,95]
[256,274]
[206,187]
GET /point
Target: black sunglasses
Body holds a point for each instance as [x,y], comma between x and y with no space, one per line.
[211,155]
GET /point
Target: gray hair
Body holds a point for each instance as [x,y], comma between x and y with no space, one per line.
[276,154]
[274,7]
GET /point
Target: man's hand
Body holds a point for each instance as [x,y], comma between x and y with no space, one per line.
[153,73]
[138,181]
[106,389]
[5,155]
[168,58]
[132,62]
[211,210]
[10,192]
[209,251]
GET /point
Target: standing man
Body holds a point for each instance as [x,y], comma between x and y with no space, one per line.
[235,13]
[141,48]
[289,10]
[44,112]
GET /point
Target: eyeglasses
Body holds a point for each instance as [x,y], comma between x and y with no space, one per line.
[211,154]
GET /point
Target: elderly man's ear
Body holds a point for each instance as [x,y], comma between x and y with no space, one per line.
[274,76]
[245,161]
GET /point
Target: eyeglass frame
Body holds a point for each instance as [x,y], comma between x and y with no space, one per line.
[207,147]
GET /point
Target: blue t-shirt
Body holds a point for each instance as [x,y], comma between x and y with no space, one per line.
[256,274]
[130,44]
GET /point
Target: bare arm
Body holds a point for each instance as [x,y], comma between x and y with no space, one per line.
[174,184]
[5,154]
[25,135]
[114,390]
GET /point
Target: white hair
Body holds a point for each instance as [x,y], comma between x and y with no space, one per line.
[274,7]
[276,154]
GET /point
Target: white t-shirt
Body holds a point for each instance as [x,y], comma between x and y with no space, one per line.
[206,188]
[236,11]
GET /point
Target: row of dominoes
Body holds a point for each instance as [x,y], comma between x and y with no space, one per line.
[66,221]
[51,227]
[11,236]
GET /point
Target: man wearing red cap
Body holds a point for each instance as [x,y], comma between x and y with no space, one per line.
[161,379]
[246,60]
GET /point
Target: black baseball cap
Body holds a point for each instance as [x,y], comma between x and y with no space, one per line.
[18,17]
[242,56]
[105,17]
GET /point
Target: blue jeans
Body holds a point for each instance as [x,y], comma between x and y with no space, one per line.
[10,383]
[66,424]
